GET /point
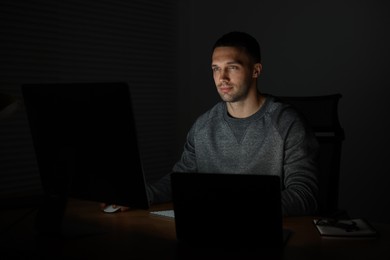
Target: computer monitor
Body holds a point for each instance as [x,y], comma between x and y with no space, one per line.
[86,145]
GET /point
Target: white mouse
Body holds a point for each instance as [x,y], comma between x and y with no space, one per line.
[111,209]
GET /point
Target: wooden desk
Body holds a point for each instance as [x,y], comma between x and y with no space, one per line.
[91,234]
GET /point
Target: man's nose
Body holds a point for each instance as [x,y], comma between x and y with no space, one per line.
[223,76]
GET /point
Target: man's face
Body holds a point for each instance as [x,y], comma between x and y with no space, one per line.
[233,73]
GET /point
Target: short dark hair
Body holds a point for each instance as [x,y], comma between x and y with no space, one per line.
[240,40]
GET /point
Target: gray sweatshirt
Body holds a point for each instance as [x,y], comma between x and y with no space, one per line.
[275,141]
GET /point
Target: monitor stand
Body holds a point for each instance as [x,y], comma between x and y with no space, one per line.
[51,222]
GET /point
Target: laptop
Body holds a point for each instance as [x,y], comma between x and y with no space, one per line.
[228,210]
[86,146]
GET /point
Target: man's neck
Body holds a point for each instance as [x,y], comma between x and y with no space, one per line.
[246,108]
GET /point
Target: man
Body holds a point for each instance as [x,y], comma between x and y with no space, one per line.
[249,132]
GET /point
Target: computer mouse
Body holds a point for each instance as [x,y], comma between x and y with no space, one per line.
[111,209]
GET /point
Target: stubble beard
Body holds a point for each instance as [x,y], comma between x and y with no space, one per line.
[234,96]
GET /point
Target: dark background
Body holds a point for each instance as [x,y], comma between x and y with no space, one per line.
[308,48]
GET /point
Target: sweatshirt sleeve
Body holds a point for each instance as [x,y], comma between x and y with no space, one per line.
[160,191]
[300,182]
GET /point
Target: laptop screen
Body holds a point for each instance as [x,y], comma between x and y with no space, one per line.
[85,141]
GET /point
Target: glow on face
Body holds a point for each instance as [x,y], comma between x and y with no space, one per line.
[232,72]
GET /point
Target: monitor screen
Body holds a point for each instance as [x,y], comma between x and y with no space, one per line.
[85,140]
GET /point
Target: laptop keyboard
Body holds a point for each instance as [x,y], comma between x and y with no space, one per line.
[164,213]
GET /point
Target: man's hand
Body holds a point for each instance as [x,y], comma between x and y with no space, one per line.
[114,208]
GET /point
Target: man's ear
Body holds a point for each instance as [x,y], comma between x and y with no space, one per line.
[257,68]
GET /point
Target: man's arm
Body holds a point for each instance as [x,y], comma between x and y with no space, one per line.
[160,191]
[300,181]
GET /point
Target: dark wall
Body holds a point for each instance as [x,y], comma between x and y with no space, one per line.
[309,48]
[89,41]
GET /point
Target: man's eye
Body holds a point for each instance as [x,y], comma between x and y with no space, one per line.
[233,67]
[215,69]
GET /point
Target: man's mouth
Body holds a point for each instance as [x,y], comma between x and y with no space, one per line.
[225,88]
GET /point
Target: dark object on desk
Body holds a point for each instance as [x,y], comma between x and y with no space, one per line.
[357,227]
[228,210]
[346,225]
[321,113]
[86,146]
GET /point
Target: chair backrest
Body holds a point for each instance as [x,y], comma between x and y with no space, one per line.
[322,114]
